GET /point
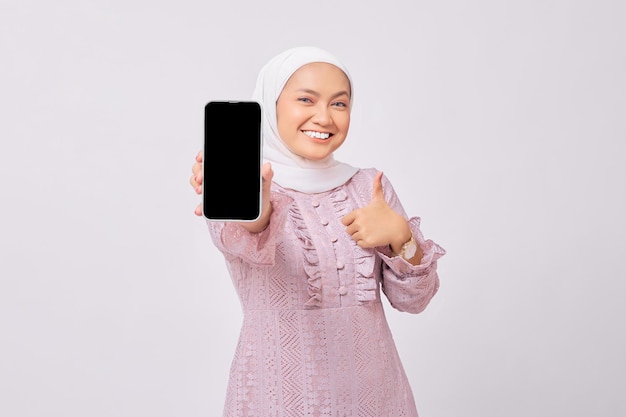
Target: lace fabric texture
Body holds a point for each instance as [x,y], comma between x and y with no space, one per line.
[314,340]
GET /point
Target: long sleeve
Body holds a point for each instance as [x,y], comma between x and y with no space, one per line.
[234,241]
[409,287]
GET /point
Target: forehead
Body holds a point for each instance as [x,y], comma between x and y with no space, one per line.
[320,75]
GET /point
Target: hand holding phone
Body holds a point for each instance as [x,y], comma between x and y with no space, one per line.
[197,180]
[266,207]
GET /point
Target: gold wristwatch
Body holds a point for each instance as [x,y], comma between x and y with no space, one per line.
[408,249]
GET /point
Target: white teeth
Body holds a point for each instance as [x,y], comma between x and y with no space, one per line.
[318,135]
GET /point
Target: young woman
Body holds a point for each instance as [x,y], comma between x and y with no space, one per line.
[309,273]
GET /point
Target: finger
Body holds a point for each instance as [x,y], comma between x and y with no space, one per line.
[348,218]
[198,211]
[364,244]
[196,182]
[199,156]
[197,174]
[377,187]
[352,229]
[266,172]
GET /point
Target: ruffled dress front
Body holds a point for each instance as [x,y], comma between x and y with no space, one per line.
[314,340]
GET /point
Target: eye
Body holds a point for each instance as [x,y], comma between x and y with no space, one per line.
[305,100]
[340,104]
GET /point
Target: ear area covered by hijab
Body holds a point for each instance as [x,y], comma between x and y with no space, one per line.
[290,170]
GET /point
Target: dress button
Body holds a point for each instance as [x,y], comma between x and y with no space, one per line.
[343,290]
[324,222]
[340,265]
[334,239]
[316,203]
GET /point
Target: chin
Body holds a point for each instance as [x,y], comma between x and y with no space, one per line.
[315,157]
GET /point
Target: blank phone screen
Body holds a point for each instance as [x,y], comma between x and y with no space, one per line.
[232,160]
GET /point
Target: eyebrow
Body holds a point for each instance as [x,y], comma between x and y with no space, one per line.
[316,94]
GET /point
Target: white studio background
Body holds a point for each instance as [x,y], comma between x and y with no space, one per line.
[501,124]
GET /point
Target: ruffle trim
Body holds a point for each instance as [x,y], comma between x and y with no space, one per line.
[366,284]
[364,259]
[311,259]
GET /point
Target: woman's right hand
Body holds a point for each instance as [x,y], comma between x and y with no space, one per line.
[196,179]
[266,208]
[267,173]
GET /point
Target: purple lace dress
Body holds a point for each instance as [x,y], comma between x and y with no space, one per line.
[314,340]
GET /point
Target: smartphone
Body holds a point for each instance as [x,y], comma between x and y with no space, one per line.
[231,189]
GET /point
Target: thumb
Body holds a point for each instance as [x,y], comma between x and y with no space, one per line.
[266,172]
[377,188]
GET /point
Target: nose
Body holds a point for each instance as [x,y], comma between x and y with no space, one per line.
[322,116]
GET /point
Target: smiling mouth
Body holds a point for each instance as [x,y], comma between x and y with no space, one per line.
[317,135]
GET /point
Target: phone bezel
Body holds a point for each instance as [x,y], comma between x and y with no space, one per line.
[260,178]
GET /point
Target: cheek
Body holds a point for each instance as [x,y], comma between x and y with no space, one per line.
[289,117]
[282,121]
[343,122]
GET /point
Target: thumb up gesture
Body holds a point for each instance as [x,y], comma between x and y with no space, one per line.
[377,224]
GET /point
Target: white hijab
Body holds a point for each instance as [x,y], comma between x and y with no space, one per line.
[290,170]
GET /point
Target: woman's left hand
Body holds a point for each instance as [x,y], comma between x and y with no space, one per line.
[377,224]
